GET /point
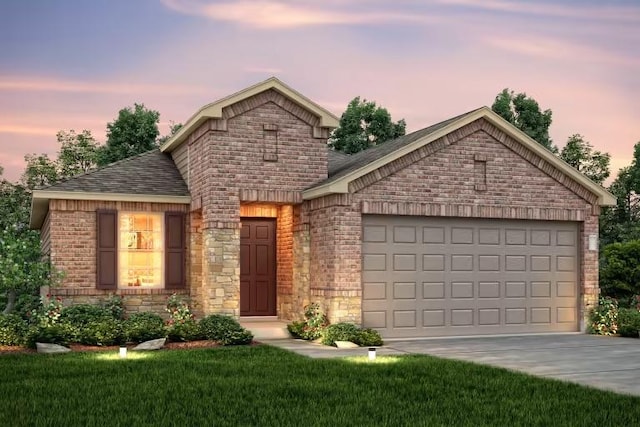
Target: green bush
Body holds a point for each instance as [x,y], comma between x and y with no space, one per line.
[188,330]
[103,332]
[603,319]
[315,321]
[369,337]
[57,333]
[340,332]
[114,305]
[350,332]
[296,328]
[13,329]
[225,330]
[144,326]
[629,322]
[620,270]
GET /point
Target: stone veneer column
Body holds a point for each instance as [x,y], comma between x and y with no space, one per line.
[221,251]
[198,303]
[301,264]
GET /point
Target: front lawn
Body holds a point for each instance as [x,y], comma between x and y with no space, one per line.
[266,386]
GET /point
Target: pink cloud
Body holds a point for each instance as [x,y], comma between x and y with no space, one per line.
[550,48]
[582,11]
[49,84]
[274,14]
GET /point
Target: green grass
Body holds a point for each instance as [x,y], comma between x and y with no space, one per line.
[267,386]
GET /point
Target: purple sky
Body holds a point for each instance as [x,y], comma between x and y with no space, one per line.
[72,64]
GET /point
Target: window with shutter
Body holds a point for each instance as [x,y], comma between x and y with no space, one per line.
[140,250]
[175,242]
[107,257]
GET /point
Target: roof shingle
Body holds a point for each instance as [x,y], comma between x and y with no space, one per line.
[149,173]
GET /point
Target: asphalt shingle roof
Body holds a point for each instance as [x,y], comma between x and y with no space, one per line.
[149,173]
[342,167]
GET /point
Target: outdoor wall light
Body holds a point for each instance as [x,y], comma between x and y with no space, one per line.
[123,352]
[372,353]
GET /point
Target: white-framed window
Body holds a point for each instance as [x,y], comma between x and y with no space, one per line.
[140,250]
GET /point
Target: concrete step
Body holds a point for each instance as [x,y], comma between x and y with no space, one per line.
[266,329]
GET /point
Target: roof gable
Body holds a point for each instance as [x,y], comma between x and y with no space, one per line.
[367,161]
[215,110]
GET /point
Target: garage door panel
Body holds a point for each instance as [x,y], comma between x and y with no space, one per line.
[450,276]
[433,290]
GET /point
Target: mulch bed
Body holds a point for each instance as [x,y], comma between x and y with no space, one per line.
[8,349]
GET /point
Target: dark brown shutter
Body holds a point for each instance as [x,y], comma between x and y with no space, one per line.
[175,250]
[107,249]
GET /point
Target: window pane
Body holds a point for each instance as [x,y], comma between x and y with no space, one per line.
[141,250]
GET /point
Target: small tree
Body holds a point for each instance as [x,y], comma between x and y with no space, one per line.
[40,171]
[23,269]
[525,114]
[581,155]
[78,153]
[364,125]
[134,131]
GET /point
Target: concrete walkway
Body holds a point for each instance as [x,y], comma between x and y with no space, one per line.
[602,362]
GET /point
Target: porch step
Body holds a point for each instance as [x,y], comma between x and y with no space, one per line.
[263,329]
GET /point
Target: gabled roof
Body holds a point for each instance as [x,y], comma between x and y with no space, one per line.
[147,177]
[367,161]
[214,110]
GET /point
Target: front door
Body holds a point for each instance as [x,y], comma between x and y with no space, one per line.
[258,267]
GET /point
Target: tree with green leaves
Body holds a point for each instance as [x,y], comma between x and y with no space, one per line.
[39,172]
[23,269]
[364,125]
[581,155]
[134,131]
[173,129]
[621,223]
[524,113]
[78,153]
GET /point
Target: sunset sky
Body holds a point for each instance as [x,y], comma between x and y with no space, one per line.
[72,64]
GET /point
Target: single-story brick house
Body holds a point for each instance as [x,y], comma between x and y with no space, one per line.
[464,227]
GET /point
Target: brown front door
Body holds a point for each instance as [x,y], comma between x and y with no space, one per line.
[258,267]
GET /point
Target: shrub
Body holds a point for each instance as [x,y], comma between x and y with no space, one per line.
[369,337]
[144,326]
[629,322]
[620,270]
[189,330]
[178,309]
[603,319]
[47,312]
[225,330]
[114,305]
[350,332]
[82,314]
[13,329]
[25,304]
[296,328]
[103,332]
[57,333]
[340,332]
[315,321]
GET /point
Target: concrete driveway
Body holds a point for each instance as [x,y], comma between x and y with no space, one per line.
[602,362]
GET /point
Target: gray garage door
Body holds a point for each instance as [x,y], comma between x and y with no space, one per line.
[452,276]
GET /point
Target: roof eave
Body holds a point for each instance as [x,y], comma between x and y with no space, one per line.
[41,198]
